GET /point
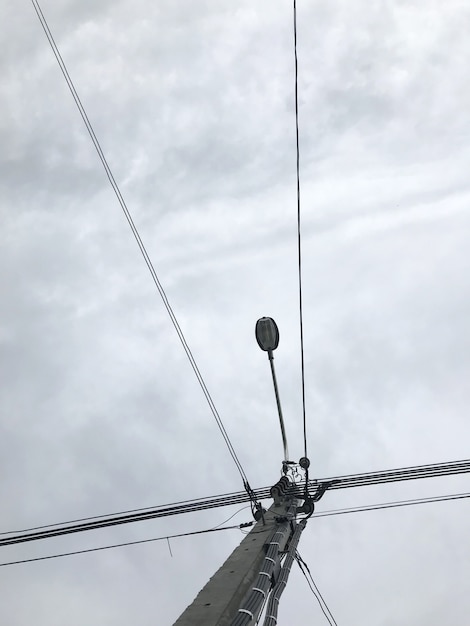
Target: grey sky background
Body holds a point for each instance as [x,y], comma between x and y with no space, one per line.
[100,412]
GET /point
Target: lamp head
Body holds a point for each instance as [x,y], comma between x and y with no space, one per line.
[267,334]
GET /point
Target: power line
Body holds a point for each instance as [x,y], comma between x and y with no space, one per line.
[392,505]
[139,241]
[121,545]
[189,506]
[143,510]
[371,507]
[316,592]
[299,249]
[58,530]
[396,475]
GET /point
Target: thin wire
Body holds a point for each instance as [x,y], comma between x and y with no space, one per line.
[169,547]
[314,589]
[137,237]
[314,593]
[232,516]
[119,545]
[299,249]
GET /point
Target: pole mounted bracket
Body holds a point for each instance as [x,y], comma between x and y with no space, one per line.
[259,513]
[287,465]
[307,507]
[321,489]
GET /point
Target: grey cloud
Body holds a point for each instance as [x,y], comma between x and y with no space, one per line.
[193,104]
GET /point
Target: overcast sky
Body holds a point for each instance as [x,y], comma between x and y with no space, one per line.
[193,102]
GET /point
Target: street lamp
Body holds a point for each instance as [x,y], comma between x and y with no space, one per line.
[267,336]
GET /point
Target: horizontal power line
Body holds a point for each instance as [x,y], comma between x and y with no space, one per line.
[396,475]
[190,506]
[392,505]
[122,545]
[357,509]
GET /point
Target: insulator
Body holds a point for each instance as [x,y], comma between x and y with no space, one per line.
[275,493]
[279,490]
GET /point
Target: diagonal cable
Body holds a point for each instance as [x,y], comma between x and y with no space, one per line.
[138,239]
[316,592]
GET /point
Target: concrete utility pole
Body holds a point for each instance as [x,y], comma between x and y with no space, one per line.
[252,574]
[237,592]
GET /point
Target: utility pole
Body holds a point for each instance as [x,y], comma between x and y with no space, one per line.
[238,591]
[253,575]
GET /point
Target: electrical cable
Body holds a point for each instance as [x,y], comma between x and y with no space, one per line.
[396,475]
[316,592]
[393,505]
[118,545]
[139,241]
[58,530]
[299,249]
[262,610]
[283,576]
[189,506]
[300,560]
[373,507]
[253,601]
[232,516]
[146,509]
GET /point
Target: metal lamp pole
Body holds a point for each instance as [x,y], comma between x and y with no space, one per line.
[267,336]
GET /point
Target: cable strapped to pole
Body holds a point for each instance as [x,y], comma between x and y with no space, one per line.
[253,602]
[273,601]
